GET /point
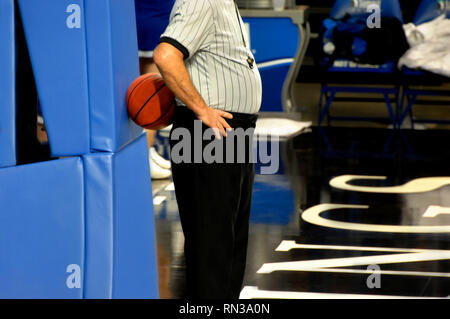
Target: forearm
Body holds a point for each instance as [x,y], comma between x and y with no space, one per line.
[177,79]
[170,63]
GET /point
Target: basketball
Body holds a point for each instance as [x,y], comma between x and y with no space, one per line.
[150,102]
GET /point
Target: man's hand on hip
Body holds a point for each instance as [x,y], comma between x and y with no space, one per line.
[215,119]
[171,65]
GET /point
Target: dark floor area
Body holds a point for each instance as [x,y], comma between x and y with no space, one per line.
[411,248]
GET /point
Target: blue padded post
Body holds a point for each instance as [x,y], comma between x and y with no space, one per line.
[265,31]
[55,33]
[135,266]
[120,246]
[7,85]
[98,172]
[273,78]
[389,8]
[429,10]
[41,229]
[274,61]
[113,65]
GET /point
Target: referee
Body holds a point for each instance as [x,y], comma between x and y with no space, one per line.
[205,59]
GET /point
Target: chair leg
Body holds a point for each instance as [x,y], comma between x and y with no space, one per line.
[390,110]
[400,108]
[322,93]
[325,110]
[408,110]
[411,115]
[328,111]
[399,105]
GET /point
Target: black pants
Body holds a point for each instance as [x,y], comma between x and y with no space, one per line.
[214,205]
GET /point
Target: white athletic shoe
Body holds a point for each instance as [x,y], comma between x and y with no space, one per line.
[157,172]
[158,159]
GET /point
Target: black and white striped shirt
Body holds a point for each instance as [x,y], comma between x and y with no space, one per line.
[212,37]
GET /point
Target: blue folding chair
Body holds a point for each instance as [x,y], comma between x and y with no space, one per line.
[345,68]
[430,10]
[427,11]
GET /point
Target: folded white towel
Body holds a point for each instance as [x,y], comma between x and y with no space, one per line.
[430,46]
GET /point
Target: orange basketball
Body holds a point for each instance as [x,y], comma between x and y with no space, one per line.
[150,103]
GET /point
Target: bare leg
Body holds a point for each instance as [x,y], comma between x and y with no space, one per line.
[150,137]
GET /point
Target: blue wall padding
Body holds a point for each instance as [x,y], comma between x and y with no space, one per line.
[135,264]
[41,228]
[264,33]
[58,56]
[99,225]
[272,38]
[120,239]
[389,8]
[273,78]
[113,65]
[428,10]
[7,85]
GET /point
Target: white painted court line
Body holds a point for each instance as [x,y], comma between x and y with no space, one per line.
[170,187]
[250,292]
[158,200]
[312,216]
[434,210]
[287,245]
[419,185]
[323,264]
[158,186]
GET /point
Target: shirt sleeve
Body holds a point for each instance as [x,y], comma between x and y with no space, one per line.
[189,26]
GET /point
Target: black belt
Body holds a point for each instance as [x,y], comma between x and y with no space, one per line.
[183,114]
